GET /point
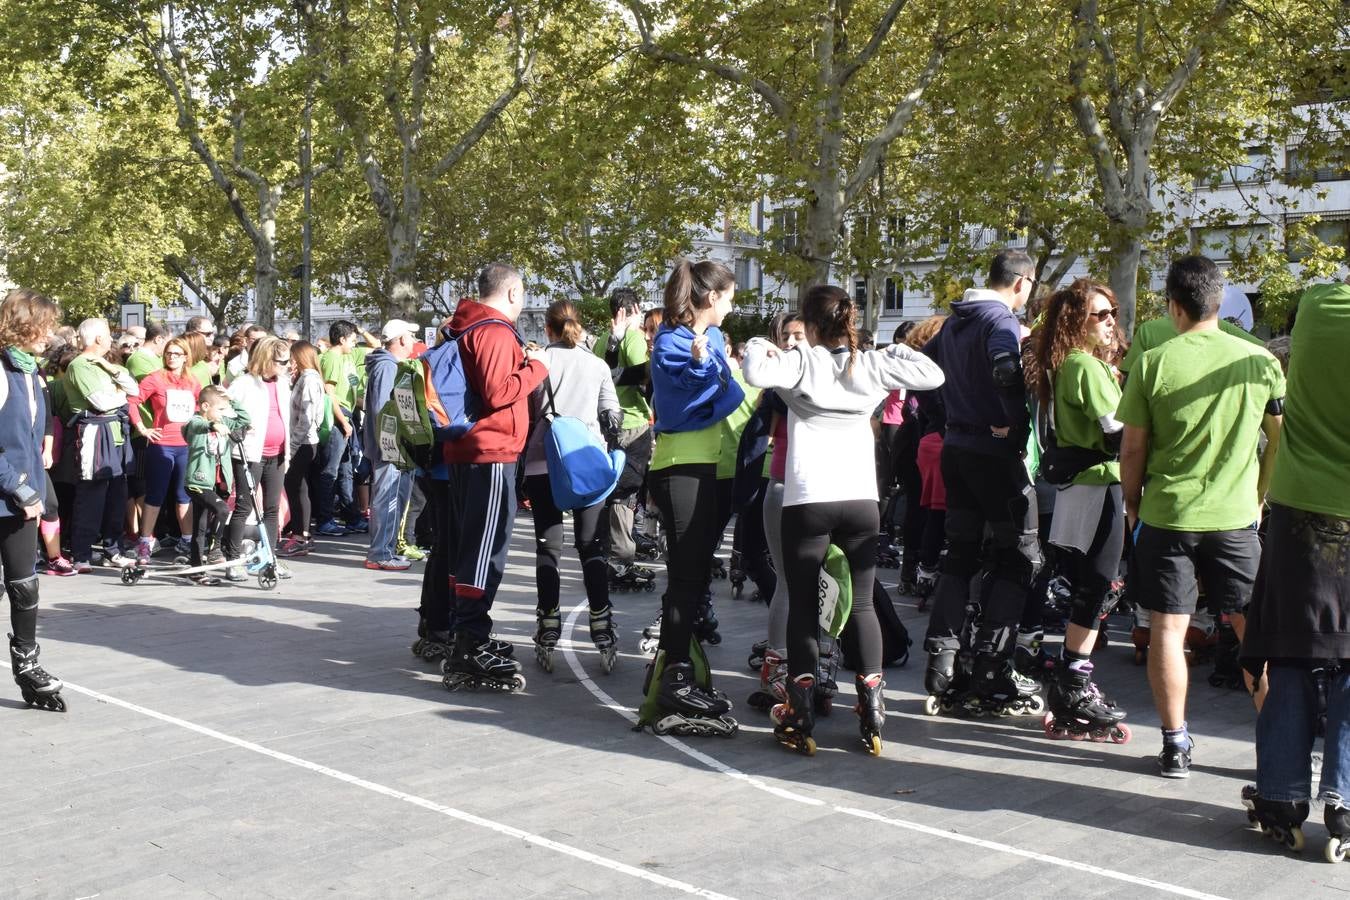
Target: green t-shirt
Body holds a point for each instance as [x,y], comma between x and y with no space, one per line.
[734,425]
[202,372]
[1312,469]
[86,376]
[632,352]
[142,363]
[358,358]
[339,370]
[682,448]
[1202,396]
[1085,390]
[1156,332]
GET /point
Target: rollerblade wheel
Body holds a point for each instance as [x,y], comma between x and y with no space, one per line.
[1292,839]
[801,743]
[1336,850]
[517,683]
[931,705]
[544,656]
[1037,705]
[1120,734]
[873,744]
[608,657]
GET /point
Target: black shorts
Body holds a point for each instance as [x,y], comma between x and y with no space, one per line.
[1169,567]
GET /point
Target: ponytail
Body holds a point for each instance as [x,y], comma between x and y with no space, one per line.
[690,287]
[561,319]
[832,314]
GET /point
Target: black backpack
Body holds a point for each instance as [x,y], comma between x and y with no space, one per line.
[895,641]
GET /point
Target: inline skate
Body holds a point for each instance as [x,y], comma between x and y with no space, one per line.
[472,665]
[705,622]
[648,547]
[794,719]
[433,645]
[756,659]
[1278,819]
[943,682]
[1029,654]
[604,638]
[631,577]
[998,689]
[1337,819]
[925,582]
[772,681]
[651,636]
[37,686]
[827,669]
[1079,711]
[871,710]
[717,569]
[686,708]
[737,576]
[888,555]
[547,632]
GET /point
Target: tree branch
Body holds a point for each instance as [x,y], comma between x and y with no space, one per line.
[1085,113]
[1163,100]
[869,50]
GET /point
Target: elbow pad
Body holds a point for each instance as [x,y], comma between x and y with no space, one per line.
[1114,440]
[24,496]
[1007,371]
[1275,407]
[611,423]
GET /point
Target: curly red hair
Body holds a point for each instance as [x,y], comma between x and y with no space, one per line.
[1064,327]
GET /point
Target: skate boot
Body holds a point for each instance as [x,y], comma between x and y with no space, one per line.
[939,680]
[604,638]
[772,681]
[1202,638]
[688,709]
[827,669]
[1337,819]
[717,569]
[38,687]
[737,575]
[888,556]
[472,665]
[648,547]
[705,622]
[548,629]
[871,711]
[998,689]
[925,582]
[1028,656]
[631,577]
[909,577]
[795,718]
[1078,711]
[433,645]
[651,636]
[1278,819]
[756,659]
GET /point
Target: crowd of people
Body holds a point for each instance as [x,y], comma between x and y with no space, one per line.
[1192,466]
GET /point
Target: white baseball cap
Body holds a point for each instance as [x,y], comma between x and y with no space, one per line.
[397,328]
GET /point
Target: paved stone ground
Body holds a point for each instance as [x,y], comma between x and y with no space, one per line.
[329,761]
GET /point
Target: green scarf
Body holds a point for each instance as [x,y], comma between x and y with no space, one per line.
[24,361]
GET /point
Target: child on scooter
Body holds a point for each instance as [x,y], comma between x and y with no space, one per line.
[210,475]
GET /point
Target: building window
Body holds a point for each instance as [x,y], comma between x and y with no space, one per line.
[744,275]
[1333,230]
[895,296]
[860,291]
[1229,241]
[1330,163]
[785,226]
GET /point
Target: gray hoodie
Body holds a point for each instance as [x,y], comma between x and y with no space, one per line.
[830,441]
[582,388]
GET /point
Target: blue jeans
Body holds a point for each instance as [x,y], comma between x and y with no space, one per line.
[335,478]
[389,492]
[1287,727]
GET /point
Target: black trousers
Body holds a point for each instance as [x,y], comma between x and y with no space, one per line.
[993,495]
[18,558]
[437,591]
[210,518]
[808,531]
[100,507]
[269,474]
[686,499]
[483,509]
[302,478]
[587,537]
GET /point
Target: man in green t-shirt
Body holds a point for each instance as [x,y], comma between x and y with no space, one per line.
[1156,332]
[149,356]
[624,349]
[342,378]
[1194,409]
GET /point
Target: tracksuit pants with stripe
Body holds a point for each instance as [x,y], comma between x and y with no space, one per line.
[483,509]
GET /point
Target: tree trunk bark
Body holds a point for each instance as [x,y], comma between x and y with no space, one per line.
[1127,248]
[821,234]
[264,259]
[405,296]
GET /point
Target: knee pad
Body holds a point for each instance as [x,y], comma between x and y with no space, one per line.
[591,550]
[963,543]
[1017,553]
[1089,609]
[23,594]
[548,549]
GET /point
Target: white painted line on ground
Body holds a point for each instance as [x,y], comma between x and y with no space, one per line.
[469,818]
[718,766]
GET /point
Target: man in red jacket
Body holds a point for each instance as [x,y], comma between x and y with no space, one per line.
[501,375]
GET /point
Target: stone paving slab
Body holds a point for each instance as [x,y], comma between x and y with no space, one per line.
[121,804]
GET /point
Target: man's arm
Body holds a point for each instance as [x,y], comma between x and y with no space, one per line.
[1133,466]
[1273,426]
[502,373]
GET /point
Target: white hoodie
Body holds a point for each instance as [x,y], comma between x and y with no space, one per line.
[831,447]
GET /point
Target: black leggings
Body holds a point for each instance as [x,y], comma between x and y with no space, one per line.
[686,500]
[301,477]
[269,474]
[435,607]
[207,505]
[18,555]
[808,531]
[1095,570]
[548,543]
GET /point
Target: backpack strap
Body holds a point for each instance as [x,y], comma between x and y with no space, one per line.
[551,412]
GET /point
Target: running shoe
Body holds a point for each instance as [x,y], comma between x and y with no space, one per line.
[144,550]
[204,579]
[295,546]
[116,559]
[361,525]
[1175,760]
[83,568]
[393,564]
[411,552]
[60,566]
[236,574]
[283,571]
[331,528]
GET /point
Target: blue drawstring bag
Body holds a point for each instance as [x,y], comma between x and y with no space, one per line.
[581,472]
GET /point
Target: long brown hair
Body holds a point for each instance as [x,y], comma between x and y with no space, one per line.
[305,356]
[690,289]
[1064,327]
[197,347]
[925,331]
[831,312]
[26,316]
[561,319]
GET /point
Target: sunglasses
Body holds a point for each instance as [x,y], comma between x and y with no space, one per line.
[169,353]
[1102,315]
[282,360]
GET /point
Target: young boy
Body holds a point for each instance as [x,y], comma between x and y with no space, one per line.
[210,475]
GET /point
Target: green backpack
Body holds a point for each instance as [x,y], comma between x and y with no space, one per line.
[403,424]
[835,592]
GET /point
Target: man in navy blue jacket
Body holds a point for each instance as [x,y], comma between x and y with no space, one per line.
[979,350]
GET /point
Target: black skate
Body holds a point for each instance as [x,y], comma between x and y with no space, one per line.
[827,669]
[1029,656]
[473,666]
[38,687]
[871,711]
[1277,819]
[705,622]
[604,638]
[888,557]
[756,659]
[651,636]
[631,577]
[648,547]
[547,631]
[687,709]
[795,719]
[433,645]
[1337,819]
[1079,711]
[717,569]
[772,681]
[998,689]
[925,582]
[737,577]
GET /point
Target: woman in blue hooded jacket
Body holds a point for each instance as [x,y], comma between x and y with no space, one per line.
[693,391]
[26,322]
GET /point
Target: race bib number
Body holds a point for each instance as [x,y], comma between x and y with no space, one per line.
[178,406]
[405,401]
[390,451]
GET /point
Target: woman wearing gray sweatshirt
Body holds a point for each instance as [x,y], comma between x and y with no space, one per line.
[578,385]
[830,490]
